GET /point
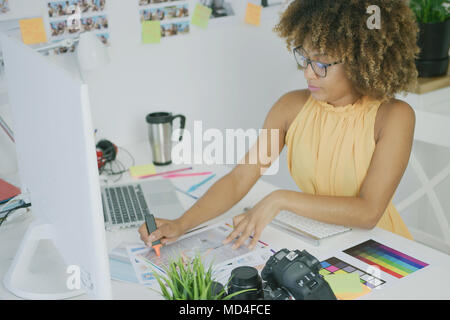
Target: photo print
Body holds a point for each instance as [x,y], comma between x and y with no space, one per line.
[174,15]
[149,2]
[67,19]
[165,13]
[67,8]
[220,8]
[173,29]
[4,6]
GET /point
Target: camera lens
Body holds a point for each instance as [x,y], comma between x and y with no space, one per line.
[243,278]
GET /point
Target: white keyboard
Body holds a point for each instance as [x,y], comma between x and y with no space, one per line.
[307,227]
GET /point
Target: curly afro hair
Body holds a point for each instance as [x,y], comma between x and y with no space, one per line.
[378,62]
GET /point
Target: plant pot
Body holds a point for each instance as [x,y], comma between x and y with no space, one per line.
[434,42]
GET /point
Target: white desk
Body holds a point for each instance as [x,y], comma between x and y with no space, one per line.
[428,283]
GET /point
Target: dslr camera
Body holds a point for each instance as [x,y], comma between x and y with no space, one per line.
[287,275]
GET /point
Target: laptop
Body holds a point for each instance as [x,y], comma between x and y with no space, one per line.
[125,205]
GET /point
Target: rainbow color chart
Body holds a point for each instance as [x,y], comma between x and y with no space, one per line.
[391,261]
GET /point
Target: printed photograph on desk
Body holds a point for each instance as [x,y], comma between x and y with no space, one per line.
[338,274]
[208,243]
[395,263]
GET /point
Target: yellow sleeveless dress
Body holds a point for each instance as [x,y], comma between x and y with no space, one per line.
[329,151]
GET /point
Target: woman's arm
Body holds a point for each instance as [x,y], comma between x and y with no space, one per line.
[231,188]
[386,169]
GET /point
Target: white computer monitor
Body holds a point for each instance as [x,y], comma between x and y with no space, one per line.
[58,170]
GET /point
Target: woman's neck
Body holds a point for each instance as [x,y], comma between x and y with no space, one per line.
[345,100]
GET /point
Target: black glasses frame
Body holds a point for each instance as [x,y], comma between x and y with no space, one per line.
[310,62]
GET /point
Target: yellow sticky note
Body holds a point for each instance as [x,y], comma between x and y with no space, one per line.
[253,14]
[33,31]
[144,170]
[353,295]
[151,32]
[344,283]
[201,15]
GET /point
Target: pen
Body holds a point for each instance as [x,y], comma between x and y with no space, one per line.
[151,226]
[188,194]
[164,173]
[196,186]
[180,175]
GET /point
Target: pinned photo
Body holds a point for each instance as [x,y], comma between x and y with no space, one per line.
[220,8]
[173,29]
[58,28]
[94,23]
[147,2]
[104,38]
[165,13]
[4,6]
[69,7]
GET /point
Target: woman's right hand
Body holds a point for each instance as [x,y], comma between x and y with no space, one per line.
[167,231]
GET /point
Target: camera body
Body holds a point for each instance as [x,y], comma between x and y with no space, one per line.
[288,275]
[294,275]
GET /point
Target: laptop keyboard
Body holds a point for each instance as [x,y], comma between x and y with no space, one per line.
[126,204]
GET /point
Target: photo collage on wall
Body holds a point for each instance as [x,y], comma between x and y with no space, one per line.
[173,15]
[4,6]
[67,19]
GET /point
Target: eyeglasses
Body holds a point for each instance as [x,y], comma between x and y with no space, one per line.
[319,68]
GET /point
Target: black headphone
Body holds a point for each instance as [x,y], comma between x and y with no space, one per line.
[106,152]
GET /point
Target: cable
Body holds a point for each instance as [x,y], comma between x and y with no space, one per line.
[109,170]
[26,205]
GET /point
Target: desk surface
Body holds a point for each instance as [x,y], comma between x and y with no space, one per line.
[422,284]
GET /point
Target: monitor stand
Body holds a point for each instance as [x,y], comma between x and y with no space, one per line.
[38,271]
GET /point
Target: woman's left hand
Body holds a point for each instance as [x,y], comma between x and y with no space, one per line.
[252,222]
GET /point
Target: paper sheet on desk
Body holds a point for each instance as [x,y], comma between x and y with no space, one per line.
[206,242]
[185,183]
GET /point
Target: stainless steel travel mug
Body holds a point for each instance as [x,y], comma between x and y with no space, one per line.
[160,135]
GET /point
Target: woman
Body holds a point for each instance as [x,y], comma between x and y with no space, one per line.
[348,140]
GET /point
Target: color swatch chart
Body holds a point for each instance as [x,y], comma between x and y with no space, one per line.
[391,261]
[335,265]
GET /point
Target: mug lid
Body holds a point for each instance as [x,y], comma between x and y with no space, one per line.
[159,117]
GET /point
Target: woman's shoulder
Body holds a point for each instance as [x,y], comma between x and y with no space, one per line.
[290,104]
[394,113]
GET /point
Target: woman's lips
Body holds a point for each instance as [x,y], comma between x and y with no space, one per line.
[312,88]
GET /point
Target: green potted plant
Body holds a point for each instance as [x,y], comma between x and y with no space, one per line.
[190,280]
[433,17]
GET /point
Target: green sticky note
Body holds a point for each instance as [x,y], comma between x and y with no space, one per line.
[201,15]
[144,170]
[151,32]
[344,283]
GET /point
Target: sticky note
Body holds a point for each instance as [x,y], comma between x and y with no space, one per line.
[144,170]
[344,283]
[151,32]
[253,14]
[201,15]
[353,295]
[33,31]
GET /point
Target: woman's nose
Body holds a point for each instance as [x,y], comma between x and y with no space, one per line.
[309,73]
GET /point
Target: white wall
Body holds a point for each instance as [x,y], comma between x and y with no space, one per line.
[227,76]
